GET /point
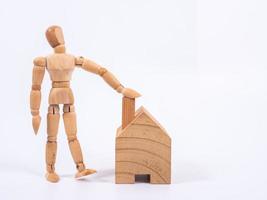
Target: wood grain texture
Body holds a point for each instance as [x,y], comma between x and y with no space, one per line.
[128,111]
[143,147]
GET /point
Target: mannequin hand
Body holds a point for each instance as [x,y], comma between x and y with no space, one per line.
[130,93]
[36,120]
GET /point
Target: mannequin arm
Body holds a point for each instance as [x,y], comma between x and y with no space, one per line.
[108,77]
[35,96]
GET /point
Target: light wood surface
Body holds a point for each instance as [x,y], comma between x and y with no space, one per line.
[128,110]
[61,96]
[35,95]
[70,125]
[60,66]
[143,148]
[51,144]
[88,65]
[60,49]
[54,36]
[92,67]
[38,75]
[35,99]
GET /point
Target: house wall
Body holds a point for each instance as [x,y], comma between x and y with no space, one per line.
[143,149]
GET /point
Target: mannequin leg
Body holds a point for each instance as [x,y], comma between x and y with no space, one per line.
[69,117]
[51,145]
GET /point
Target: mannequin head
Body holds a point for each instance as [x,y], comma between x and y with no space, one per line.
[54,36]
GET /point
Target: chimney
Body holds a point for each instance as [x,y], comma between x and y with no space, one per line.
[128,110]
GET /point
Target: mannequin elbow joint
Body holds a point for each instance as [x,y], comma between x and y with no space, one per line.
[102,71]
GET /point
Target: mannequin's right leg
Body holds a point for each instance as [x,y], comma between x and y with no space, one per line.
[51,145]
[69,117]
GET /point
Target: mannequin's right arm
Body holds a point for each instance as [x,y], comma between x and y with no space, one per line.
[35,96]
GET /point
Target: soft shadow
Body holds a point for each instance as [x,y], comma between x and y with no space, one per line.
[20,167]
[182,172]
[103,176]
[67,175]
[189,172]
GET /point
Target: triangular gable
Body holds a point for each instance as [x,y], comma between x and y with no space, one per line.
[142,115]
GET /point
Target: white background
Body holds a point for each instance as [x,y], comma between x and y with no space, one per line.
[201,68]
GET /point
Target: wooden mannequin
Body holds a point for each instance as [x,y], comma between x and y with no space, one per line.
[60,66]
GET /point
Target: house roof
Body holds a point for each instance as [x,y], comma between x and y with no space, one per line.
[149,120]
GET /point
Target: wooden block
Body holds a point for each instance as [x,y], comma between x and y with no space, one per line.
[143,148]
[128,110]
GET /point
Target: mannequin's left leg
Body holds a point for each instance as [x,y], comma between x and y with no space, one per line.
[69,118]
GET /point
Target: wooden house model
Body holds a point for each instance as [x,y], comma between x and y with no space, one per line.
[143,147]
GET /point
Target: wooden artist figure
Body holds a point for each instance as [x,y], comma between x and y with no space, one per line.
[60,66]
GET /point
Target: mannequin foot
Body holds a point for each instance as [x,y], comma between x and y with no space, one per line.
[52,177]
[84,173]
